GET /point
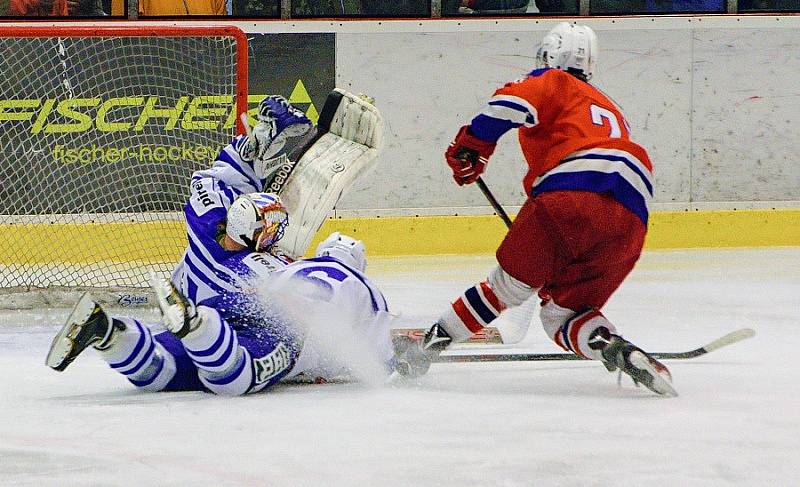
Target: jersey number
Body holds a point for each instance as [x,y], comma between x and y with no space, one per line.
[325,287]
[601,115]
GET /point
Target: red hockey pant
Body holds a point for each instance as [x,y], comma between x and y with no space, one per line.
[577,246]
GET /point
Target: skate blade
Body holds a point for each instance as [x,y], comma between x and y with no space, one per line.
[659,384]
[63,343]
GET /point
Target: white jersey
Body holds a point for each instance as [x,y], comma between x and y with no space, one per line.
[344,318]
[200,274]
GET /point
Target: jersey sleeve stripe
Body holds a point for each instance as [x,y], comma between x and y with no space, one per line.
[207,275]
[212,258]
[198,276]
[357,275]
[503,113]
[488,128]
[515,109]
[228,193]
[190,286]
[213,270]
[227,158]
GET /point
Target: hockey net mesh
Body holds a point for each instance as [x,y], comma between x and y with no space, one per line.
[99,136]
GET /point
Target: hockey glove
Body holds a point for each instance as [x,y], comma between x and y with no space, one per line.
[277,121]
[467,156]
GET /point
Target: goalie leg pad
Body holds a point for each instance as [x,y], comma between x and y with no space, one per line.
[328,168]
[358,120]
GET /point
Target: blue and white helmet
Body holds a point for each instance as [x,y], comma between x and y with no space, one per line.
[347,250]
[570,48]
[257,220]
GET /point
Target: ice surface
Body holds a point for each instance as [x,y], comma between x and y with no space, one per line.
[736,422]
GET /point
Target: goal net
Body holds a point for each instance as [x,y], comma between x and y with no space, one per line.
[100,130]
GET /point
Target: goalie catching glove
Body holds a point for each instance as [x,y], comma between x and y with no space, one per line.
[277,121]
[467,156]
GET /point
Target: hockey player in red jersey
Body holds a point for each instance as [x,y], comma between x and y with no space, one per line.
[582,227]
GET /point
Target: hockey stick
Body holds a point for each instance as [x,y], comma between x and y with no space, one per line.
[488,335]
[493,201]
[724,341]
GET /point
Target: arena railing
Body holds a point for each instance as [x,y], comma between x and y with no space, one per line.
[398,9]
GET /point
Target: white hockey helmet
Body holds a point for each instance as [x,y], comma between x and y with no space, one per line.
[570,48]
[257,220]
[347,250]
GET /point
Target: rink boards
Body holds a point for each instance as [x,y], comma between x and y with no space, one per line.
[403,235]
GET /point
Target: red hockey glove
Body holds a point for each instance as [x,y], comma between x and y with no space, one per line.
[467,156]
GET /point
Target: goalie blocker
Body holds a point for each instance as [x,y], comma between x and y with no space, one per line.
[312,177]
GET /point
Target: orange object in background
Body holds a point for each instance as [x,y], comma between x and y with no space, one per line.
[182,7]
[39,8]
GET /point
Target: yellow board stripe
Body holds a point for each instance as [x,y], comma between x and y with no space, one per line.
[424,235]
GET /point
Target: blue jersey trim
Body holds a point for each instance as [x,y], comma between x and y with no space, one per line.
[515,106]
[538,72]
[490,129]
[597,182]
[226,158]
[357,275]
[625,160]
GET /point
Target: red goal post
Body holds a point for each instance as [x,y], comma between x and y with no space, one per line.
[100,130]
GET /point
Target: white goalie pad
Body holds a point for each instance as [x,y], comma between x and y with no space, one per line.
[328,168]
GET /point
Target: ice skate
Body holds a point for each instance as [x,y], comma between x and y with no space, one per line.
[620,354]
[86,325]
[180,315]
[414,357]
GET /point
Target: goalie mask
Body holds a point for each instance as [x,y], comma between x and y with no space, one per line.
[570,48]
[257,221]
[347,250]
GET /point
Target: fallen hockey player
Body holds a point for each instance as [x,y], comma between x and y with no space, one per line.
[230,309]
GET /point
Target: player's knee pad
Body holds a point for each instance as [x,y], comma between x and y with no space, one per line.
[510,291]
[571,330]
